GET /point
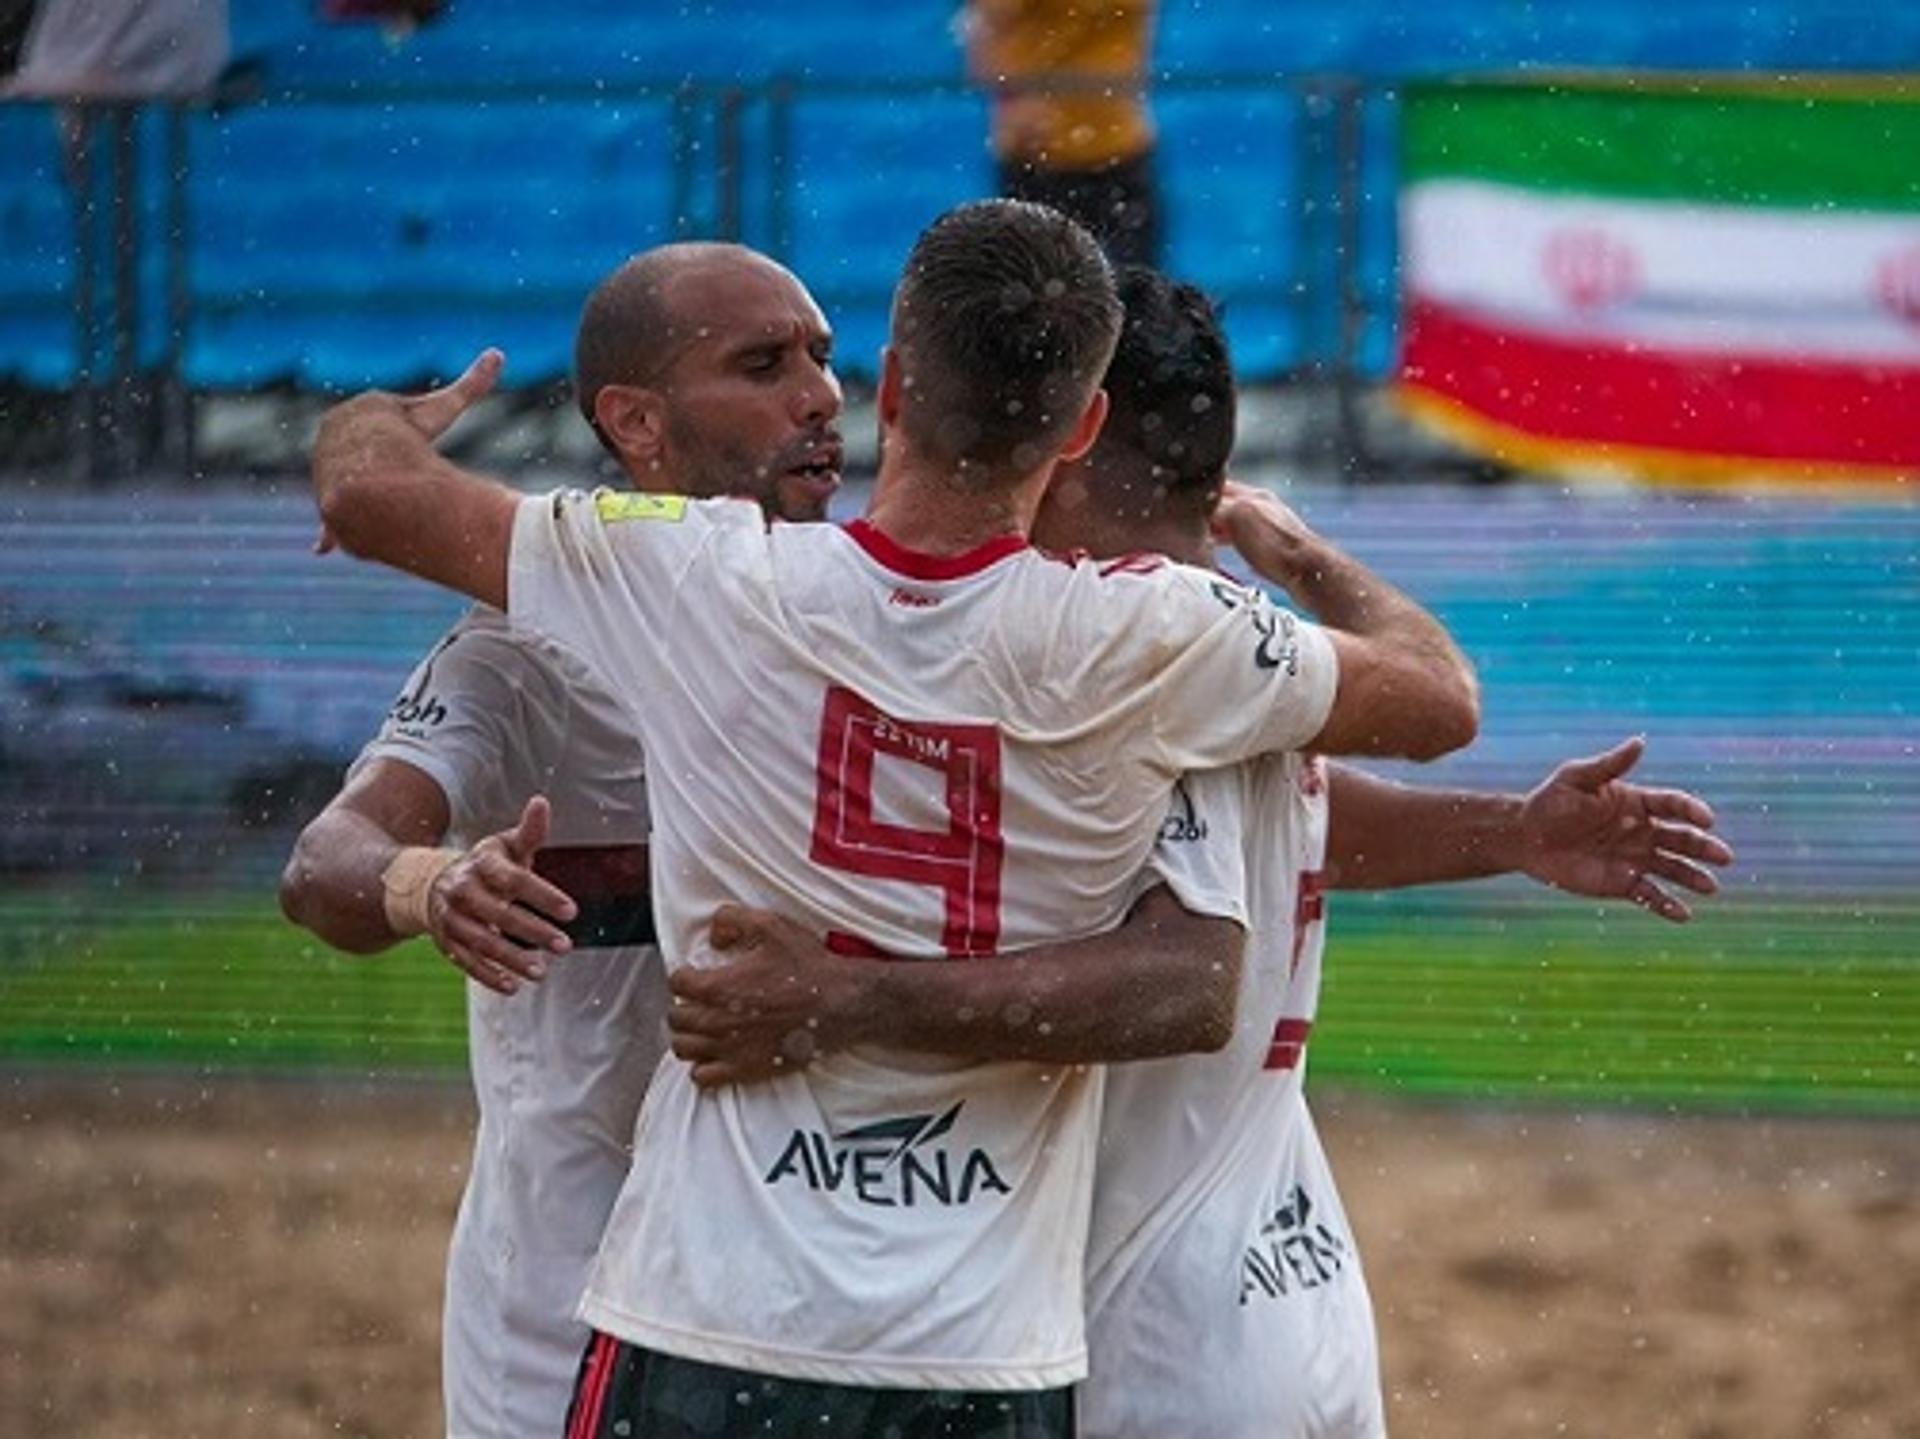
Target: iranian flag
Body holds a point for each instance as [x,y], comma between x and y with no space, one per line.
[1668,280]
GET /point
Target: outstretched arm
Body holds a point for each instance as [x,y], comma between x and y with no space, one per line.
[1165,982]
[368,872]
[1404,689]
[385,494]
[1585,829]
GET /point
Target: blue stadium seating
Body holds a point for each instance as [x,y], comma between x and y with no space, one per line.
[375,203]
[36,219]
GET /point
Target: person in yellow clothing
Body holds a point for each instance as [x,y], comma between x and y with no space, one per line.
[1071,125]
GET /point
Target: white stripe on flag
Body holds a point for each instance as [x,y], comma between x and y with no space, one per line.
[1677,276]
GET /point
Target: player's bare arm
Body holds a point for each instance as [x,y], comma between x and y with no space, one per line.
[1404,689]
[331,884]
[385,494]
[1165,982]
[1585,829]
[368,872]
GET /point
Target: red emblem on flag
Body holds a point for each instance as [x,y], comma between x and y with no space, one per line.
[1590,269]
[1899,283]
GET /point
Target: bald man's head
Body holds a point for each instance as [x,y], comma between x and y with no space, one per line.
[635,324]
[707,369]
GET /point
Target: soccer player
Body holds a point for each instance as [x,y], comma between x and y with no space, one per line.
[1215,1216]
[711,365]
[919,736]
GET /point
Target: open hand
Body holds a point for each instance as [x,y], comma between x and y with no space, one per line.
[489,912]
[1588,831]
[776,1002]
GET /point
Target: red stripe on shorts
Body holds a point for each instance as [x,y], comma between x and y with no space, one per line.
[593,1388]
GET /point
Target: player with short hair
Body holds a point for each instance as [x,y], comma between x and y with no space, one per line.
[920,736]
[1215,1213]
[711,365]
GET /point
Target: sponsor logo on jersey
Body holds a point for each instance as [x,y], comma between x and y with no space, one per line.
[1291,1253]
[415,713]
[891,1163]
[1183,824]
[1230,595]
[908,600]
[616,506]
[418,711]
[1277,647]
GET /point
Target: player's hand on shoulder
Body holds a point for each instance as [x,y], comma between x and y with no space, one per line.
[1265,530]
[776,1000]
[492,915]
[1588,830]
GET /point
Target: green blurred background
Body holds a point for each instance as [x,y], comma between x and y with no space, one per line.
[1784,1007]
[185,685]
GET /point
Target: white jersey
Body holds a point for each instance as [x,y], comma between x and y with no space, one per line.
[1215,1220]
[920,756]
[559,1069]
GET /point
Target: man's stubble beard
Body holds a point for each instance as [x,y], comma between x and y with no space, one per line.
[709,469]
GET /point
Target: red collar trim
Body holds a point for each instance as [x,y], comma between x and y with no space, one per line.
[918,565]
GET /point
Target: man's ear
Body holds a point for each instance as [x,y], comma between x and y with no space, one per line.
[633,421]
[1087,429]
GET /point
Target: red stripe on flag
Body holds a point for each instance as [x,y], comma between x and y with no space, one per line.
[1289,1043]
[1753,406]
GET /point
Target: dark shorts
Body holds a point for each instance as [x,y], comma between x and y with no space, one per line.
[1120,204]
[626,1392]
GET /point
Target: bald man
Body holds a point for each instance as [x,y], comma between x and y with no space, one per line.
[709,364]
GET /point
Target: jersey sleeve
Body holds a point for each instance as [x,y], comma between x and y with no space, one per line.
[601,574]
[1246,677]
[1201,851]
[482,718]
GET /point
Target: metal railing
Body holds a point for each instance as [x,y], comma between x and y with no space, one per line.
[734,166]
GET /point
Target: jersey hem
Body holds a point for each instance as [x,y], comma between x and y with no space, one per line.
[444,772]
[821,1368]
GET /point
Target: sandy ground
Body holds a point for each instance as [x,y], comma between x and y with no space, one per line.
[264,1258]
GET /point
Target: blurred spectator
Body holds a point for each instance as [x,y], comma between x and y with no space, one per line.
[400,17]
[15,17]
[100,59]
[1071,128]
[112,50]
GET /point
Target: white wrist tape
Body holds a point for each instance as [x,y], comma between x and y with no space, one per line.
[407,882]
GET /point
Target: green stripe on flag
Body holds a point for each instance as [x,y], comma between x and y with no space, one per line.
[1785,149]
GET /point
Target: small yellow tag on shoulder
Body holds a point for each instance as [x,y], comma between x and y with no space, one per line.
[613,506]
